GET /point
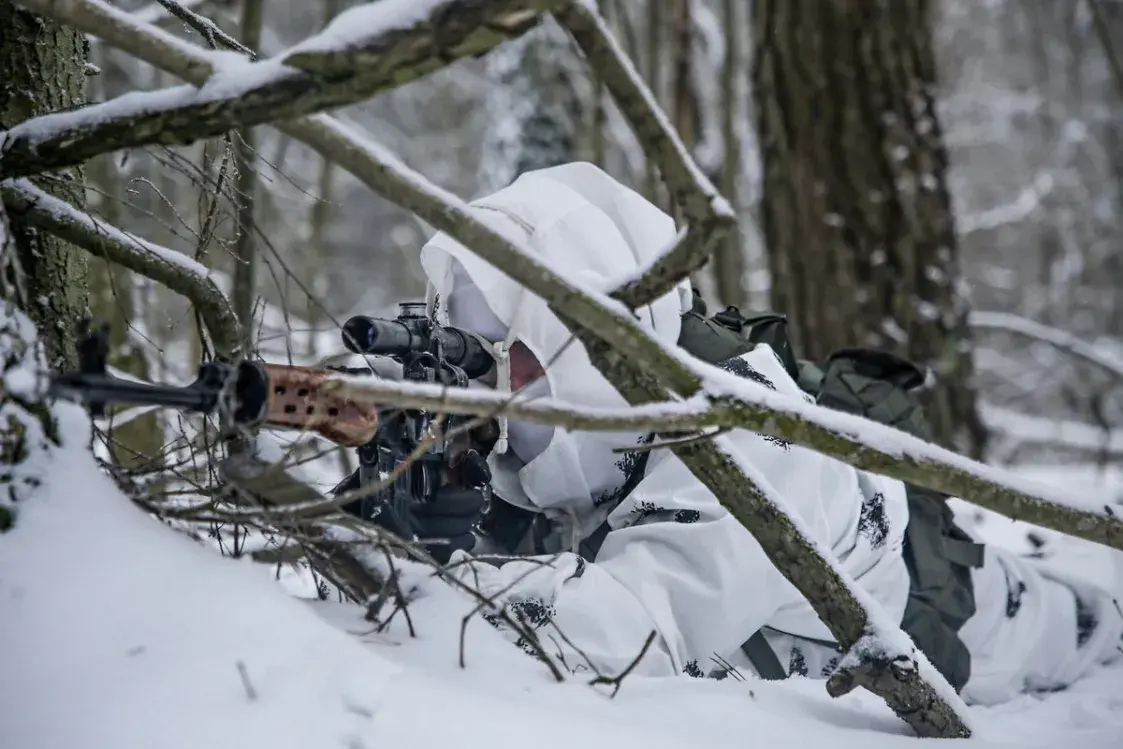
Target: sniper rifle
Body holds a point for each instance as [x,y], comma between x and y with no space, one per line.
[402,452]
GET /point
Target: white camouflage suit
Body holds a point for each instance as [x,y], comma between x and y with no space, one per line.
[675,561]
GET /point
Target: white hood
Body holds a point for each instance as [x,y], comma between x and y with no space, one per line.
[578,219]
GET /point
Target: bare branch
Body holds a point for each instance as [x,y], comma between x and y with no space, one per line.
[709,215]
[173,269]
[283,87]
[206,28]
[1003,322]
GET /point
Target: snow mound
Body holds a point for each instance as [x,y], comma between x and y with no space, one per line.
[117,632]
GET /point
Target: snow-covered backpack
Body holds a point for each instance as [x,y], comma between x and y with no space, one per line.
[881,387]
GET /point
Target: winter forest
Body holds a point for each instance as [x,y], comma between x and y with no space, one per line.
[221,182]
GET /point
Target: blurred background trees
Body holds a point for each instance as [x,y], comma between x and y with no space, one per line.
[930,176]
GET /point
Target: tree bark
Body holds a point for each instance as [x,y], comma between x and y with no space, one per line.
[729,258]
[856,212]
[42,70]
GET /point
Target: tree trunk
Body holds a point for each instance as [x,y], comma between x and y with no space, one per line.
[42,70]
[729,259]
[856,212]
[244,292]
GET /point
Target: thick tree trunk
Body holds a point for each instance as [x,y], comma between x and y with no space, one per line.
[42,70]
[856,211]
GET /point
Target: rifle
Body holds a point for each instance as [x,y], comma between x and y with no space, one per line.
[252,395]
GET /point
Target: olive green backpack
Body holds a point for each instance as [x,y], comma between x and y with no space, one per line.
[881,387]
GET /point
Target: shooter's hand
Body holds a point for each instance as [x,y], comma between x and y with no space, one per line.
[446,522]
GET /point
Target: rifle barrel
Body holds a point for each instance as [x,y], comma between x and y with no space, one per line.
[102,389]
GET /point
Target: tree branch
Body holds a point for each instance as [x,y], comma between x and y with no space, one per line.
[206,28]
[173,269]
[384,173]
[298,82]
[1003,322]
[709,215]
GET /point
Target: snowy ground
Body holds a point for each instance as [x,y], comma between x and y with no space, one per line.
[117,632]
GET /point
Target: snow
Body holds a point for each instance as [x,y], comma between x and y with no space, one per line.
[1041,430]
[229,81]
[119,632]
[718,204]
[358,25]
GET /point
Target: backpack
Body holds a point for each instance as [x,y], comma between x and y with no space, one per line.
[879,386]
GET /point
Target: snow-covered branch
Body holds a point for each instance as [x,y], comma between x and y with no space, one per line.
[177,271]
[173,269]
[1004,322]
[1062,434]
[731,403]
[394,41]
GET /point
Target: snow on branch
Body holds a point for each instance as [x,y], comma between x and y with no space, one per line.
[730,403]
[173,269]
[1004,322]
[396,46]
[707,213]
[132,34]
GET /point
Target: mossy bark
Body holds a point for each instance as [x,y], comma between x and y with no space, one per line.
[43,70]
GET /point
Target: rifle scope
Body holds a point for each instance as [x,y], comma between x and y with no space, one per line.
[413,333]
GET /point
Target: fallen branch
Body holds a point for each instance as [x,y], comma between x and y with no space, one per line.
[395,49]
[173,269]
[853,440]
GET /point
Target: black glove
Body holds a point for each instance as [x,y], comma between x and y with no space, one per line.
[447,519]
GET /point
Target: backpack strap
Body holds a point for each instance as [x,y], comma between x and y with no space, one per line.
[763,657]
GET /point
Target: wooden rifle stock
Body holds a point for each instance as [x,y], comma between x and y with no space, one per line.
[297,400]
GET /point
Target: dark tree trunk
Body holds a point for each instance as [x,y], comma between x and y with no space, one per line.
[856,211]
[42,70]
